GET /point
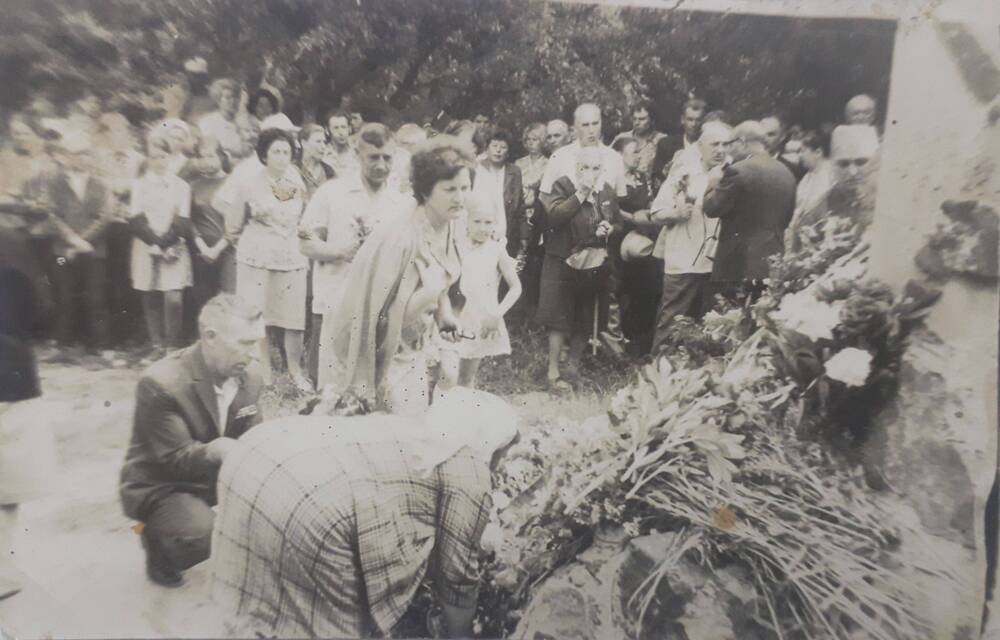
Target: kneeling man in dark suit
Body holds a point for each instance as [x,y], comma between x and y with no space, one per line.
[190,409]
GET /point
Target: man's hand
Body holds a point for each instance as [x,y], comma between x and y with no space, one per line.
[604,229]
[219,448]
[715,174]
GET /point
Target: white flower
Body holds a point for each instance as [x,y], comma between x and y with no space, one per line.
[493,537]
[850,366]
[803,313]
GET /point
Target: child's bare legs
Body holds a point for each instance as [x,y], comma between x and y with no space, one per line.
[557,339]
[467,370]
[294,341]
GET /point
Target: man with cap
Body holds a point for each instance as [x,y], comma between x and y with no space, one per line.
[328,526]
[754,199]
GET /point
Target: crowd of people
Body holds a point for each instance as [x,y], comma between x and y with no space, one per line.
[384,262]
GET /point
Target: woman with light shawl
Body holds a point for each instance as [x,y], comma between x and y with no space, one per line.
[397,306]
[327,526]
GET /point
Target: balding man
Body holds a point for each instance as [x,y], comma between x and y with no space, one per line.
[754,199]
[556,136]
[686,242]
[860,110]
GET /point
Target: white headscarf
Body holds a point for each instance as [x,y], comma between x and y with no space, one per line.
[853,141]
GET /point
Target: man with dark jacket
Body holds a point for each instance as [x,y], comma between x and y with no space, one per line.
[190,409]
[754,198]
[83,206]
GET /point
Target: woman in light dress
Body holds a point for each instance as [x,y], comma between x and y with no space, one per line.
[271,272]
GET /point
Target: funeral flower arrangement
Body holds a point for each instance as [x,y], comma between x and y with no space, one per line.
[723,438]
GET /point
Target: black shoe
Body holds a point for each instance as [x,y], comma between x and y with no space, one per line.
[158,569]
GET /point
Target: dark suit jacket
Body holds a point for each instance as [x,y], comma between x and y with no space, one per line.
[513,204]
[755,200]
[569,224]
[176,415]
[88,217]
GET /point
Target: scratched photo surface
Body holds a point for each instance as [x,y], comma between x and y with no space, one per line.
[499,318]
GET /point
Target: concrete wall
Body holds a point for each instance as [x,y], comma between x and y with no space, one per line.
[941,144]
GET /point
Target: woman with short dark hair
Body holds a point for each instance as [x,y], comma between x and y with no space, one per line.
[397,296]
[271,272]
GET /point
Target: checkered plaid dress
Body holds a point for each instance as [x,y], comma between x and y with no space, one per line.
[321,538]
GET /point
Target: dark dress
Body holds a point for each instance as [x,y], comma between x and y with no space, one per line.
[21,296]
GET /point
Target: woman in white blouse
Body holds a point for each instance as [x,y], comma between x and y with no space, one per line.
[160,262]
[271,273]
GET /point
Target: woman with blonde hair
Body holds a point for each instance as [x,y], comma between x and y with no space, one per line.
[160,263]
[221,124]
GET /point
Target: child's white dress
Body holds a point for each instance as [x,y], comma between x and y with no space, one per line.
[480,284]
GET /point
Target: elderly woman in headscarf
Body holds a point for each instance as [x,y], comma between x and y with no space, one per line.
[397,296]
[327,527]
[221,124]
[854,156]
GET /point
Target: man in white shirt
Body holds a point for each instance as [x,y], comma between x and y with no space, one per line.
[587,124]
[686,242]
[339,218]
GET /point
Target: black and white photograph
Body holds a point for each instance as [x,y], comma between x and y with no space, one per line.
[528,319]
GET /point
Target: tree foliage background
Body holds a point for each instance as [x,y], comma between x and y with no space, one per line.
[517,60]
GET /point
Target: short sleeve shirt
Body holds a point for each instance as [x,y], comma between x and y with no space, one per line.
[349,213]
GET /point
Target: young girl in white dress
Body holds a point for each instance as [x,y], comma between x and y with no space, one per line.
[160,262]
[484,261]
